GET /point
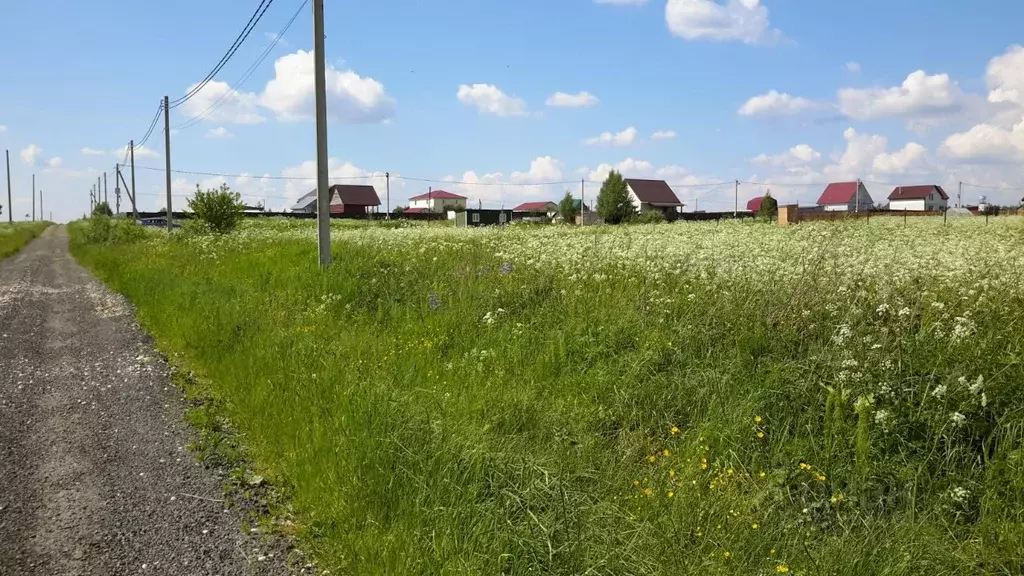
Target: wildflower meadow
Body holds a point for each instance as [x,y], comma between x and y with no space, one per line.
[832,398]
[14,236]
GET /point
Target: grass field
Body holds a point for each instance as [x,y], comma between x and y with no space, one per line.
[732,398]
[14,236]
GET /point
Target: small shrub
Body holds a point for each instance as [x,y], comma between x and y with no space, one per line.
[221,209]
[648,217]
[195,227]
[567,208]
[102,209]
[102,229]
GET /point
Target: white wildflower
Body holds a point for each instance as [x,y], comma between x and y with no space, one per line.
[842,334]
[984,400]
[959,495]
[882,309]
[978,384]
[957,419]
[882,418]
[939,391]
[938,305]
[904,312]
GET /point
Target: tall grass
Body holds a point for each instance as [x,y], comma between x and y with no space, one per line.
[557,401]
[14,236]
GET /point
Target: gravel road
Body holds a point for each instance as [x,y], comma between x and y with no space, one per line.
[95,473]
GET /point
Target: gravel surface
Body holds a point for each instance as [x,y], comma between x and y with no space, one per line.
[95,473]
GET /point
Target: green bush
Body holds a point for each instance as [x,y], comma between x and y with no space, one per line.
[221,209]
[567,208]
[102,209]
[648,217]
[769,207]
[613,203]
[102,229]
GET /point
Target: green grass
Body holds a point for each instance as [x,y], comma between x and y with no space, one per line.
[14,236]
[674,399]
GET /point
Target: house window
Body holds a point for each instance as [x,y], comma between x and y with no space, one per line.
[476,217]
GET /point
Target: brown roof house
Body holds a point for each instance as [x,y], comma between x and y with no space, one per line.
[930,197]
[846,197]
[345,199]
[652,195]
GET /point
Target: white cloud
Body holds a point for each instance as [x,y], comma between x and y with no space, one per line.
[919,94]
[622,2]
[742,20]
[1006,77]
[54,162]
[489,98]
[351,98]
[140,152]
[986,142]
[624,138]
[795,156]
[542,168]
[853,67]
[31,154]
[910,158]
[499,190]
[774,103]
[92,152]
[580,100]
[340,173]
[219,132]
[629,168]
[663,135]
[860,153]
[219,102]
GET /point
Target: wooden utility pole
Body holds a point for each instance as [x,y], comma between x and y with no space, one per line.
[10,210]
[167,162]
[960,196]
[131,194]
[583,193]
[736,199]
[33,197]
[323,185]
[856,192]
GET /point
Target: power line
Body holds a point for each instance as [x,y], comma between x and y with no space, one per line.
[152,125]
[245,76]
[257,15]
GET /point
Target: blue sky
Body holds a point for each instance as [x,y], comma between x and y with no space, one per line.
[779,94]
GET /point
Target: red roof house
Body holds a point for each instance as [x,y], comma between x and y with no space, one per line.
[437,195]
[928,197]
[754,204]
[536,207]
[846,196]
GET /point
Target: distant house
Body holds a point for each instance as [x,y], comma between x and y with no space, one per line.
[652,195]
[845,197]
[345,199]
[918,198]
[483,217]
[576,206]
[754,204]
[437,201]
[547,208]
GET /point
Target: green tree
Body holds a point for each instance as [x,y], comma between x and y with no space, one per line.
[613,204]
[102,209]
[220,208]
[567,208]
[398,210]
[769,207]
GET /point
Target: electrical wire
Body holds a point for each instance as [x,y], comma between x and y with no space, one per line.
[239,40]
[233,92]
[152,125]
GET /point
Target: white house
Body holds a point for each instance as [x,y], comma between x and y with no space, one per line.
[652,195]
[846,197]
[918,198]
[436,201]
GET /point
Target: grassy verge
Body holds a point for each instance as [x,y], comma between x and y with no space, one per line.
[14,236]
[724,399]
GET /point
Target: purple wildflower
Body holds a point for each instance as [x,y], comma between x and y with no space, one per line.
[433,300]
[507,268]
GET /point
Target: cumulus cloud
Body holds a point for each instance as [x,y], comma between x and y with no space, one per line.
[351,98]
[55,162]
[490,99]
[624,138]
[799,154]
[986,142]
[499,189]
[1006,77]
[774,103]
[737,20]
[663,135]
[92,152]
[909,159]
[219,102]
[31,154]
[579,100]
[219,132]
[919,94]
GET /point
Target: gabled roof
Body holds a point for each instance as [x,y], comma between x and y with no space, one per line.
[653,192]
[536,207]
[415,211]
[354,194]
[439,195]
[838,193]
[754,204]
[917,192]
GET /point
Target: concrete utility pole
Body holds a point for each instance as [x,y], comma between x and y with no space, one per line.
[41,206]
[117,188]
[33,197]
[10,210]
[105,189]
[167,161]
[736,200]
[323,185]
[131,194]
[387,193]
[856,192]
[960,196]
[583,193]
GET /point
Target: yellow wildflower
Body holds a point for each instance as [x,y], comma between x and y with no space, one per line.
[821,477]
[760,435]
[771,552]
[652,458]
[666,453]
[782,569]
[674,430]
[671,494]
[727,554]
[730,471]
[805,466]
[648,491]
[703,463]
[671,473]
[761,474]
[636,482]
[755,526]
[757,419]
